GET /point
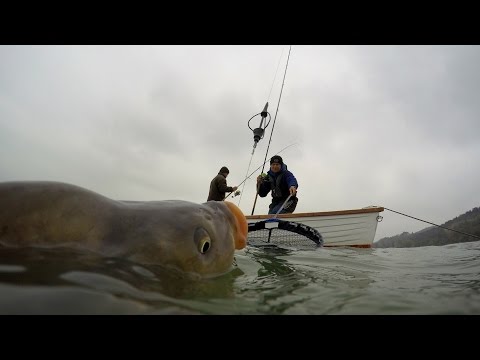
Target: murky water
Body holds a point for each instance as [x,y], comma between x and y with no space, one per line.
[424,280]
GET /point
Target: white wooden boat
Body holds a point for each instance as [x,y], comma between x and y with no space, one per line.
[356,227]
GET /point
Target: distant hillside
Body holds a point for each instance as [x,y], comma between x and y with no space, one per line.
[468,223]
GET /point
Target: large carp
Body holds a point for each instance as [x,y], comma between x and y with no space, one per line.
[194,238]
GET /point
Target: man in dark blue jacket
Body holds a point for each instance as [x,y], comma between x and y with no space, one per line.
[282,183]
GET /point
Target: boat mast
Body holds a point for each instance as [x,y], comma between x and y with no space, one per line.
[259,132]
[273,126]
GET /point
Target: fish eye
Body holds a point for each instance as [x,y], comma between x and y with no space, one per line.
[204,245]
[202,238]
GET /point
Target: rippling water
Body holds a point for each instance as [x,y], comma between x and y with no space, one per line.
[423,280]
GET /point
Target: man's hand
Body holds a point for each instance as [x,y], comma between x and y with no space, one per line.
[262,177]
[234,188]
[293,190]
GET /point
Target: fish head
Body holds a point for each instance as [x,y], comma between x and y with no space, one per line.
[197,238]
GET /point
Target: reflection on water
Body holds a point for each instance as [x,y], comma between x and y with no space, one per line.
[267,280]
[273,265]
[276,280]
[304,282]
[73,281]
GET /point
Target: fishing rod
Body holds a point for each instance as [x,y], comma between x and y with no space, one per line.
[249,176]
[273,126]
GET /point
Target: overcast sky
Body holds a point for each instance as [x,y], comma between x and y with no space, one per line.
[393,126]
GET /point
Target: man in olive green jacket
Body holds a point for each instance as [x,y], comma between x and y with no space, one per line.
[218,185]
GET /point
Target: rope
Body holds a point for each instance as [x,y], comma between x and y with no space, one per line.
[428,222]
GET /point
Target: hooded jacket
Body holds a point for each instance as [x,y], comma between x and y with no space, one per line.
[279,183]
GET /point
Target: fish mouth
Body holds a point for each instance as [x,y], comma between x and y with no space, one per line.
[240,237]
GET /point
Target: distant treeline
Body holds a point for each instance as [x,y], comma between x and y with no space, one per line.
[467,223]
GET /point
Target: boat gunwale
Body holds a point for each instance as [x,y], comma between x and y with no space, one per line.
[319,214]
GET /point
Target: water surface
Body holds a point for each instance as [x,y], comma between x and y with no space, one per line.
[423,280]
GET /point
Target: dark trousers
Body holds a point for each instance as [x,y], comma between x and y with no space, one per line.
[287,209]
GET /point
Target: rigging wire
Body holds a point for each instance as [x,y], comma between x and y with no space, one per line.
[246,177]
[273,126]
[428,222]
[275,76]
[262,128]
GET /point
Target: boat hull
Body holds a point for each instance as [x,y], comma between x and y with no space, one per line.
[356,227]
